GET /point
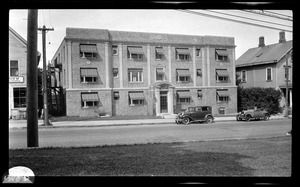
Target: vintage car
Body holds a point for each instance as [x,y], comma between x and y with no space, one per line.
[253,114]
[195,114]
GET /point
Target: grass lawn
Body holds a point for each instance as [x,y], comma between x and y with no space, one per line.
[253,157]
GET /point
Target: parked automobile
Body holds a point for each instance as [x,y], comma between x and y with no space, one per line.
[253,114]
[195,114]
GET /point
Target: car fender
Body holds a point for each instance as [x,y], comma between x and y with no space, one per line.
[210,116]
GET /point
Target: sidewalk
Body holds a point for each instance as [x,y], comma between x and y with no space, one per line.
[16,124]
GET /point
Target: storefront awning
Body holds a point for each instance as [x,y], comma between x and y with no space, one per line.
[88,72]
[183,51]
[222,52]
[223,93]
[290,85]
[184,94]
[136,95]
[135,50]
[183,72]
[89,97]
[160,71]
[222,72]
[88,48]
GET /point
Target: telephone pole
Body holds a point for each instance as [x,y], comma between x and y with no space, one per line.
[45,96]
[32,91]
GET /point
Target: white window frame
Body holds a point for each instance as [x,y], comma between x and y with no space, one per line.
[18,68]
[267,73]
[245,73]
[140,77]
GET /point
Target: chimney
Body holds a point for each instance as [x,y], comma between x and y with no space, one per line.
[261,42]
[282,37]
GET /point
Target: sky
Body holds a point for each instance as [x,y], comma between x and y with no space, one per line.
[150,20]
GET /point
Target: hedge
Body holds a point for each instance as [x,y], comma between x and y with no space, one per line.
[266,98]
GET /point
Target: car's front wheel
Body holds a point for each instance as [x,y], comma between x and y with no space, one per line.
[209,119]
[248,117]
[186,120]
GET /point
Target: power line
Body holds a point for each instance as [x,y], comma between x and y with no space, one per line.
[278,13]
[233,20]
[249,18]
[264,14]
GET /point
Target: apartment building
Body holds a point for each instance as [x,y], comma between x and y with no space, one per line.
[137,73]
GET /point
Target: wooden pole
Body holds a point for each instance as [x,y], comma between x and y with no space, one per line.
[32,91]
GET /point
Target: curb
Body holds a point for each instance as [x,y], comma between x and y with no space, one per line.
[130,124]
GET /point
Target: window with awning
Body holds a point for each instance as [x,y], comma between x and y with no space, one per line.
[183,75]
[223,96]
[182,54]
[136,98]
[199,72]
[160,74]
[159,52]
[183,96]
[222,75]
[89,100]
[88,50]
[221,55]
[135,53]
[88,75]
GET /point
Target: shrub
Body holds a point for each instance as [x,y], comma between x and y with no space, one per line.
[267,98]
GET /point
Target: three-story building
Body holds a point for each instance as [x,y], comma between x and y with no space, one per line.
[136,73]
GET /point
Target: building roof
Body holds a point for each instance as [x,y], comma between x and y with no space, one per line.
[145,37]
[264,55]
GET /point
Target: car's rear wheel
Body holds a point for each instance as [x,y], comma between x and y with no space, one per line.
[248,117]
[209,119]
[186,120]
[266,117]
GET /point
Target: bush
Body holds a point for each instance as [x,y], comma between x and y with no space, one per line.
[267,98]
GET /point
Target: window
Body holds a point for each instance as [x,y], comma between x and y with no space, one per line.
[183,75]
[160,74]
[115,50]
[269,74]
[199,94]
[183,96]
[89,100]
[115,72]
[136,98]
[287,73]
[88,75]
[135,53]
[244,76]
[88,50]
[222,75]
[135,75]
[221,55]
[19,97]
[198,52]
[222,96]
[182,54]
[116,95]
[199,73]
[222,110]
[14,70]
[159,52]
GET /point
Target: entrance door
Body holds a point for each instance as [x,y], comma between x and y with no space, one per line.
[163,102]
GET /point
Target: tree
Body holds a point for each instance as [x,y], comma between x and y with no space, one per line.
[267,98]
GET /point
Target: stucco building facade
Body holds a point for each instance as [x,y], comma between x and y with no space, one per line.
[135,73]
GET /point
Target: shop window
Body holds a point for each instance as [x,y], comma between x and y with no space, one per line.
[19,97]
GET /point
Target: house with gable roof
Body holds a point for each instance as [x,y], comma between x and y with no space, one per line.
[265,66]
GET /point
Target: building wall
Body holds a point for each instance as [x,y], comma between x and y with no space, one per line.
[105,61]
[17,51]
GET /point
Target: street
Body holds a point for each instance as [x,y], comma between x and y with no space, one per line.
[140,134]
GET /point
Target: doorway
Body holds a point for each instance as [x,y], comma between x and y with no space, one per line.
[163,102]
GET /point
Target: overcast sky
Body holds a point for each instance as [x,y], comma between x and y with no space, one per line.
[157,21]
